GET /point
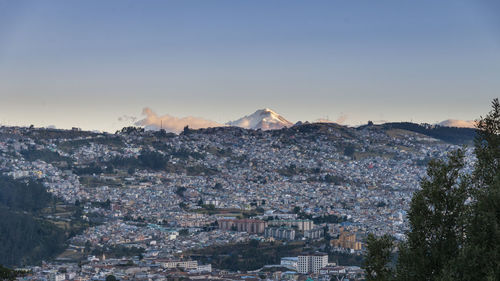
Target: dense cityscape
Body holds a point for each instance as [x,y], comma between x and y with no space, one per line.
[152,205]
[259,140]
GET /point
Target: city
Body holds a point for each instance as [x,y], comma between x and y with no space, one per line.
[155,204]
[223,140]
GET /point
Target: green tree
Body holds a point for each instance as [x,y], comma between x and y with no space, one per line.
[378,258]
[111,278]
[480,258]
[7,273]
[437,221]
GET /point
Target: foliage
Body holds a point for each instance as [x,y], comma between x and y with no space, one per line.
[28,196]
[335,179]
[70,145]
[10,274]
[349,150]
[249,255]
[436,221]
[455,218]
[44,155]
[27,240]
[130,130]
[180,191]
[198,170]
[25,236]
[88,170]
[447,134]
[111,278]
[480,258]
[153,160]
[117,251]
[378,258]
[328,219]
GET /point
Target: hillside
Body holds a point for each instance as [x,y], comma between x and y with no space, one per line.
[26,236]
[452,135]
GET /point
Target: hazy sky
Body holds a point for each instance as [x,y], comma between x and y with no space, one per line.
[86,63]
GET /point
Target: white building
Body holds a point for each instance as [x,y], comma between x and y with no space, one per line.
[181,264]
[312,263]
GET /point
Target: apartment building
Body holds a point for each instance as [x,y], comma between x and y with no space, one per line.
[312,263]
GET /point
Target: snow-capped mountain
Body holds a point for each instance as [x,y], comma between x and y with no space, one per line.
[264,119]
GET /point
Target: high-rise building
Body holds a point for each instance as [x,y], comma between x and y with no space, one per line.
[312,263]
[285,233]
[314,233]
[243,225]
[302,225]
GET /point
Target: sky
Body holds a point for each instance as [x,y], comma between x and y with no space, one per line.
[98,64]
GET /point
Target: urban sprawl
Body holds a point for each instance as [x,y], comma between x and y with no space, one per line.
[160,206]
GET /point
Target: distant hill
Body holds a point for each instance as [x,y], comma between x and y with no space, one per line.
[452,135]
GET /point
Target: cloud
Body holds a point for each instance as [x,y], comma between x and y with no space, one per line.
[340,120]
[458,123]
[172,124]
[127,118]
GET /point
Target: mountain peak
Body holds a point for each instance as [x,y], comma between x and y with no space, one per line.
[264,119]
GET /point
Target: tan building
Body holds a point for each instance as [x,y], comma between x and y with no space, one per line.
[347,240]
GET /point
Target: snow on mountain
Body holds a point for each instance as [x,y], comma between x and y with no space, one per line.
[264,119]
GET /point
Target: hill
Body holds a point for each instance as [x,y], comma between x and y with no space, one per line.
[26,236]
[452,135]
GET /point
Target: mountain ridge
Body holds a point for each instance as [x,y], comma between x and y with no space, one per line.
[264,119]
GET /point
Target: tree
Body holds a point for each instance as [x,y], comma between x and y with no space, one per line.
[7,273]
[480,258]
[437,221]
[186,130]
[111,278]
[180,191]
[131,170]
[349,150]
[454,218]
[378,258]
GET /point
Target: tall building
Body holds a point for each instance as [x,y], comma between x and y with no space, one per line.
[284,233]
[244,225]
[312,263]
[302,225]
[314,233]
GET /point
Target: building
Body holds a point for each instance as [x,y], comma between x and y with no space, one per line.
[347,240]
[243,225]
[301,225]
[57,277]
[312,263]
[283,233]
[314,233]
[289,262]
[187,265]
